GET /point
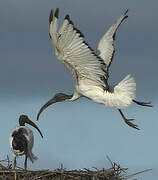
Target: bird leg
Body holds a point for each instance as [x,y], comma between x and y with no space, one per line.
[128,121]
[25,164]
[148,104]
[14,165]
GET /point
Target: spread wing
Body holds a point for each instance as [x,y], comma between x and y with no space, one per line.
[72,50]
[106,46]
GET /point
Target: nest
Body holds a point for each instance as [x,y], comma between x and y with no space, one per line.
[113,173]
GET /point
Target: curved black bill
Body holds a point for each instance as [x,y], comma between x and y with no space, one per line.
[44,107]
[57,98]
[24,119]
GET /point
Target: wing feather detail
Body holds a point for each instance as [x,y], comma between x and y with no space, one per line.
[53,22]
[72,50]
[106,44]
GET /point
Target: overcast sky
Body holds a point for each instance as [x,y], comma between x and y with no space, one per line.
[79,134]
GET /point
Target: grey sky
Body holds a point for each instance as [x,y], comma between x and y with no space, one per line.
[30,74]
[26,51]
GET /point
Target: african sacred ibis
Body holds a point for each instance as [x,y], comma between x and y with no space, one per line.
[22,140]
[89,70]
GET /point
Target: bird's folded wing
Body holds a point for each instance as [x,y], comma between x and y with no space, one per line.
[106,46]
[75,53]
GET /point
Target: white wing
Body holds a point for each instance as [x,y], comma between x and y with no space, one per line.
[74,52]
[106,46]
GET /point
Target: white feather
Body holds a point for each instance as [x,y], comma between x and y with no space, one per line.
[122,95]
[72,50]
[30,141]
[106,44]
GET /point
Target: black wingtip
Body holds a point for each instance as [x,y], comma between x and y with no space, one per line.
[51,16]
[126,13]
[56,13]
[67,17]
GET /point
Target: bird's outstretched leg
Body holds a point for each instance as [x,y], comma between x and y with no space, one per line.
[25,164]
[148,104]
[14,165]
[128,121]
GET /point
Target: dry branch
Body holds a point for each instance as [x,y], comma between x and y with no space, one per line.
[113,173]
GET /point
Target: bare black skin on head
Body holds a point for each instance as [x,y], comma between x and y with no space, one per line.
[24,119]
[57,98]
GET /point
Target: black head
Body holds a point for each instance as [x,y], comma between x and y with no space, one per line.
[24,119]
[62,97]
[59,97]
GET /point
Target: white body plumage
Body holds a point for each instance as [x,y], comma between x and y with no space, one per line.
[28,134]
[22,140]
[120,96]
[89,69]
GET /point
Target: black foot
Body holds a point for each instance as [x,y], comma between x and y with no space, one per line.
[128,121]
[148,104]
